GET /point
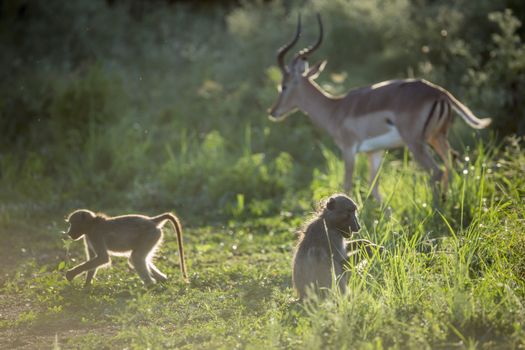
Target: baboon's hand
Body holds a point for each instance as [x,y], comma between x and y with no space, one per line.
[70,275]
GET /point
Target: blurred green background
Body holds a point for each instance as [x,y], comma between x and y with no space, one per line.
[159,105]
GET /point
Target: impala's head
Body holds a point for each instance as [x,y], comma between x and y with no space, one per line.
[295,75]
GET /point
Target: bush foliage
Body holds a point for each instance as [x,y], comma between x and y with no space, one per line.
[107,102]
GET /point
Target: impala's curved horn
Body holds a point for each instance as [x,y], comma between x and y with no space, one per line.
[307,51]
[284,49]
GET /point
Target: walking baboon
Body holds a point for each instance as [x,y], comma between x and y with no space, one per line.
[321,253]
[136,236]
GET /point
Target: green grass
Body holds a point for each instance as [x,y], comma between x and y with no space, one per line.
[450,279]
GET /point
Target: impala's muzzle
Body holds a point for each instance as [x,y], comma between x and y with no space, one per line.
[274,116]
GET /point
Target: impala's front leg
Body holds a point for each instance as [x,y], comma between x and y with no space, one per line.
[349,158]
[374,162]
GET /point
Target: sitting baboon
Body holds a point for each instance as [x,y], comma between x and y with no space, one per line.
[321,253]
[136,236]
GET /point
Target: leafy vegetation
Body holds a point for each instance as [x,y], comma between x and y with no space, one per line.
[120,108]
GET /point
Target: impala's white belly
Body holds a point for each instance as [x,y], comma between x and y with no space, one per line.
[390,139]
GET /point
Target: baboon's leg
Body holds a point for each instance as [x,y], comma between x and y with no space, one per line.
[374,161]
[102,258]
[141,254]
[298,275]
[324,276]
[420,152]
[91,273]
[138,259]
[301,291]
[159,276]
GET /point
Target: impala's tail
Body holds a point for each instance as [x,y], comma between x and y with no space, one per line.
[467,114]
[178,228]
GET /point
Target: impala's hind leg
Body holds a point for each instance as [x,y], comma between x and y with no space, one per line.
[423,157]
[444,151]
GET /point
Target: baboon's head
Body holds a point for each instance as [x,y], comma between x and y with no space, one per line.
[79,222]
[341,212]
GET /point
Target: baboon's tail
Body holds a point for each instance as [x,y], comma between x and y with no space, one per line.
[467,114]
[178,228]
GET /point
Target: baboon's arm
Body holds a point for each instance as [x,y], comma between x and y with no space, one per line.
[91,273]
[102,258]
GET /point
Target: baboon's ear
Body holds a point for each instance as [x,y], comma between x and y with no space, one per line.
[331,204]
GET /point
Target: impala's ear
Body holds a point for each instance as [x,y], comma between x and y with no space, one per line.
[316,69]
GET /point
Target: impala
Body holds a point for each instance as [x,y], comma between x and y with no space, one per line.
[374,118]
